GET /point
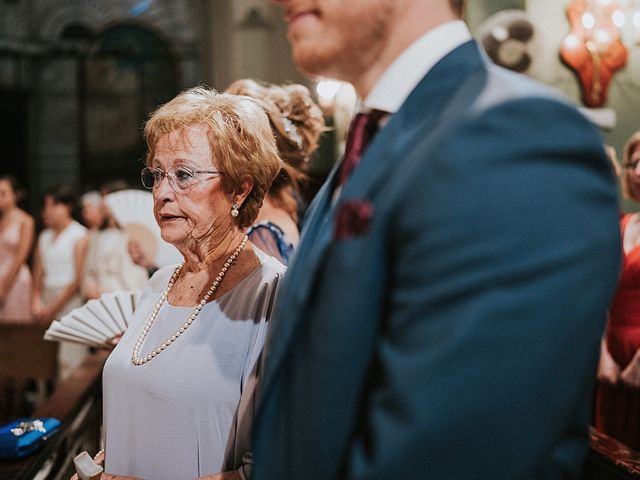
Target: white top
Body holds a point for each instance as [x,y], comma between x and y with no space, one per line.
[406,71]
[403,75]
[58,254]
[109,266]
[173,417]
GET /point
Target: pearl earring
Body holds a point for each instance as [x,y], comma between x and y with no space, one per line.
[235,210]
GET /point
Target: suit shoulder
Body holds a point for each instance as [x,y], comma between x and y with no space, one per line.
[498,88]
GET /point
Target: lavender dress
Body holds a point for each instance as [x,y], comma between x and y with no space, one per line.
[173,417]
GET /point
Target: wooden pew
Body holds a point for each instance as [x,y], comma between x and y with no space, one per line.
[24,354]
[609,459]
[77,402]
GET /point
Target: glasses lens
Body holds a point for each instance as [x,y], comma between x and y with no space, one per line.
[183,178]
[148,177]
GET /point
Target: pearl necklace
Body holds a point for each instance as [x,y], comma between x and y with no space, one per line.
[135,356]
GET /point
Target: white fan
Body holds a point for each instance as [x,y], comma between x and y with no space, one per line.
[510,39]
[133,210]
[96,321]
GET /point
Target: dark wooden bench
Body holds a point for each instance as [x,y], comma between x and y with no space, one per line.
[24,357]
[609,459]
[77,402]
[23,352]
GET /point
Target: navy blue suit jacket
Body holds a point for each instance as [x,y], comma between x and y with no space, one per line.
[455,335]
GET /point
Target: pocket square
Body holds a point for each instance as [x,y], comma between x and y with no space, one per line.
[353,219]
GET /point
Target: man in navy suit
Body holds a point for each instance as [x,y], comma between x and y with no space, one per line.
[442,316]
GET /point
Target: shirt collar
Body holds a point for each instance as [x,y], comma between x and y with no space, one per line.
[406,71]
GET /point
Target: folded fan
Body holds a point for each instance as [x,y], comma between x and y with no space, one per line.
[97,321]
[133,210]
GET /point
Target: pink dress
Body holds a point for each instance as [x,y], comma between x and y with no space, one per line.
[17,305]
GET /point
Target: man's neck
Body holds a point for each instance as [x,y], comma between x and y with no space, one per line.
[411,24]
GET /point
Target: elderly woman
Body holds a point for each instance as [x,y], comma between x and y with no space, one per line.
[617,406]
[174,381]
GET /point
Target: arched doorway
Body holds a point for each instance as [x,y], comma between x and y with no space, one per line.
[128,71]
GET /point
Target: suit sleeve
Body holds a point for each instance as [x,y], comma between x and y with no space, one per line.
[503,256]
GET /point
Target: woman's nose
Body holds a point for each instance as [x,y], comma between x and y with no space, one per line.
[162,189]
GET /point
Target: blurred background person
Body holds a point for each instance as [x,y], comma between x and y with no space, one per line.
[16,240]
[613,158]
[92,210]
[140,258]
[174,381]
[57,271]
[108,266]
[617,407]
[297,123]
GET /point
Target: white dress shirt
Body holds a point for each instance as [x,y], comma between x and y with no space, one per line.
[406,71]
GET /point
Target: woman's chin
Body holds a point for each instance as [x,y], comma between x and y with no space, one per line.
[172,235]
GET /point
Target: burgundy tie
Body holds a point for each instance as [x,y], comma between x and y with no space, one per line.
[363,127]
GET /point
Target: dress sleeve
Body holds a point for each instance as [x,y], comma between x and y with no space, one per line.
[271,240]
[239,456]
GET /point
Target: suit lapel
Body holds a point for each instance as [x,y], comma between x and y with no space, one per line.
[422,109]
[300,274]
[420,114]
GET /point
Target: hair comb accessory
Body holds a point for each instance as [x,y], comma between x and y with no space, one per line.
[293,132]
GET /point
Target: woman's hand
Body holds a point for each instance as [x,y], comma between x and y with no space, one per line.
[630,376]
[138,255]
[108,476]
[232,475]
[608,369]
[90,293]
[99,459]
[46,315]
[111,344]
[37,309]
[41,313]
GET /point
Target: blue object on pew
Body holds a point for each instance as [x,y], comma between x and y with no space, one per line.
[23,436]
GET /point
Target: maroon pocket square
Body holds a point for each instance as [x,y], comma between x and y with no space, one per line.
[353,219]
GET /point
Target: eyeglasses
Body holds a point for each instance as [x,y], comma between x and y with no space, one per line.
[181,179]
